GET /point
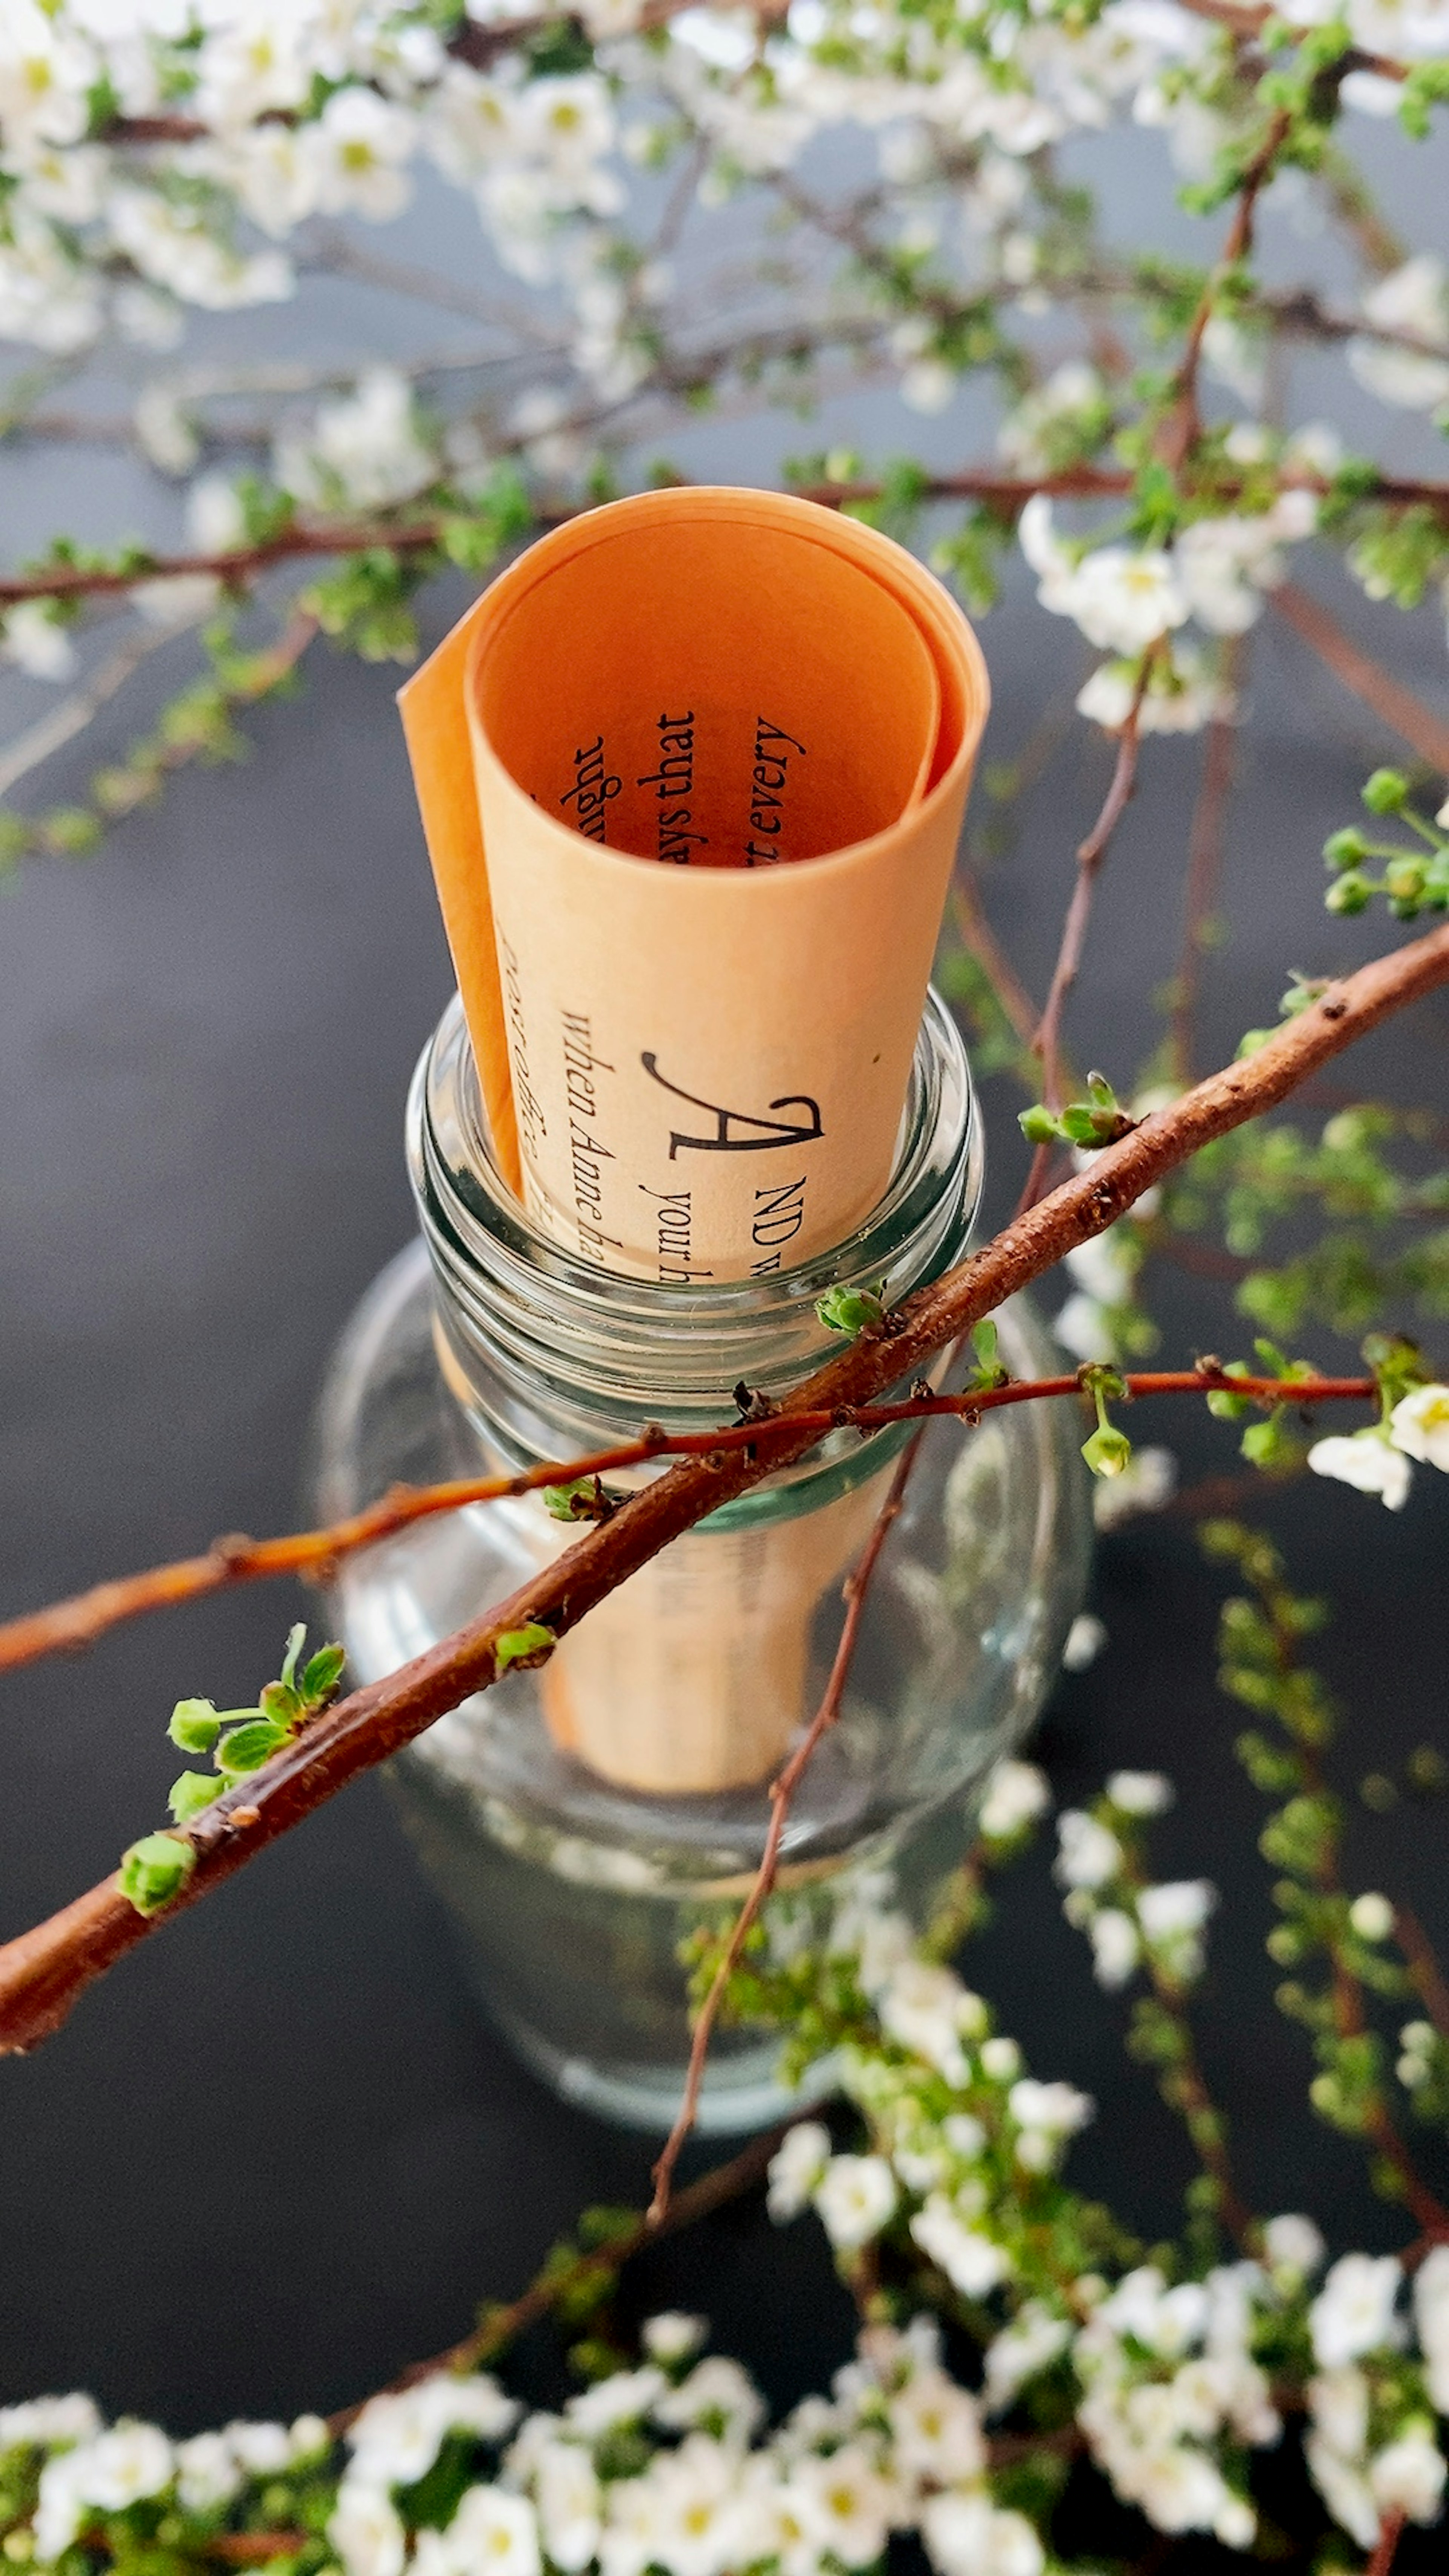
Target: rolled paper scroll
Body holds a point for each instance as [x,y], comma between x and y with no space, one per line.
[692,773]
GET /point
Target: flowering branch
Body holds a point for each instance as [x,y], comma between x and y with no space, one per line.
[43,1972]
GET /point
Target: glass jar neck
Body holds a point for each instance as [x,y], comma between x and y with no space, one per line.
[551,1355]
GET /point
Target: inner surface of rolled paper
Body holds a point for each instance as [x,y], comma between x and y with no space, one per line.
[712,693]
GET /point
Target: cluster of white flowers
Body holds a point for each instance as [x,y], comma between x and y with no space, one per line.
[1372,2447]
[1127,1922]
[1169,2373]
[670,2464]
[158,153]
[1127,599]
[1376,1461]
[92,2471]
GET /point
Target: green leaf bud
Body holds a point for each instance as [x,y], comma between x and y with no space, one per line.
[247,1747]
[321,1674]
[1108,1451]
[154,1871]
[1345,849]
[194,1725]
[1387,792]
[1038,1125]
[574,1501]
[1350,893]
[849,1310]
[526,1646]
[296,1639]
[191,1792]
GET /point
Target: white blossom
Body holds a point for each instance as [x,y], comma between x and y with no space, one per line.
[361,453]
[122,2466]
[1032,2341]
[490,2530]
[623,2399]
[856,2197]
[928,2010]
[1365,1460]
[971,2261]
[1419,1425]
[1407,2475]
[1294,2244]
[1116,1946]
[1140,1793]
[1016,1793]
[965,2535]
[208,2473]
[1371,1916]
[1411,300]
[34,640]
[936,2430]
[1123,600]
[847,2505]
[1085,1640]
[396,2438]
[1344,2489]
[570,2505]
[48,2422]
[365,2530]
[1354,2311]
[1431,2318]
[1089,1853]
[717,2388]
[672,2336]
[796,2168]
[361,145]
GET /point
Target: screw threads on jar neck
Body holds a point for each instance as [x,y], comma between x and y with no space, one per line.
[551,1353]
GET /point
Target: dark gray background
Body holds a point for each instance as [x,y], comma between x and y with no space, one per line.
[277,2155]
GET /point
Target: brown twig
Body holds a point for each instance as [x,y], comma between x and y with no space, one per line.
[67,1626]
[1426,1975]
[45,1970]
[1391,2532]
[782,1791]
[1398,707]
[1346,1991]
[1204,865]
[980,941]
[1182,430]
[1046,1041]
[1006,493]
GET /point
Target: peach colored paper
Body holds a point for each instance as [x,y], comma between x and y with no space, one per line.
[719,744]
[692,774]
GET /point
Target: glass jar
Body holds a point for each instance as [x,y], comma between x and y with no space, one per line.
[579,1821]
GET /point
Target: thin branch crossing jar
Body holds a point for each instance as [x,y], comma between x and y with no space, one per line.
[579,1821]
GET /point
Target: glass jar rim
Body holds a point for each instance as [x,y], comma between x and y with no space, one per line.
[517,1301]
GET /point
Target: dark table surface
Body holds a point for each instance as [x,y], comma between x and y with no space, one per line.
[277,2154]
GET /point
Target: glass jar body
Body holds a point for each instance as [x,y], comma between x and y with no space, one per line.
[579,1824]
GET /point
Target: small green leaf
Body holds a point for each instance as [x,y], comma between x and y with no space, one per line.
[1038,1125]
[321,1675]
[296,1638]
[154,1871]
[194,1725]
[281,1704]
[248,1747]
[191,1792]
[524,1646]
[850,1310]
